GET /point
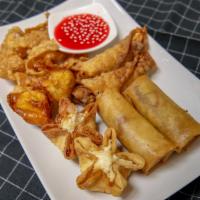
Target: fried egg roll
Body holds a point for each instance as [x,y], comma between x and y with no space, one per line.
[133,130]
[171,120]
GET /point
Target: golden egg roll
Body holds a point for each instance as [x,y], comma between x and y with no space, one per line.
[133,130]
[114,57]
[109,59]
[170,119]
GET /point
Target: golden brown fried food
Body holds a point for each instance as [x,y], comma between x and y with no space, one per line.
[11,38]
[10,63]
[46,57]
[82,95]
[16,38]
[133,130]
[70,124]
[108,60]
[145,65]
[32,105]
[112,79]
[30,81]
[171,120]
[15,48]
[43,47]
[124,51]
[51,60]
[38,27]
[59,84]
[139,41]
[104,168]
[40,59]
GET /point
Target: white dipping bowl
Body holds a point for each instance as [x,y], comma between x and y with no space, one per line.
[94,8]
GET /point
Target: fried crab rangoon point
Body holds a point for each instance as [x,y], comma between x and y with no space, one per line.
[104,168]
[69,124]
[32,105]
[82,95]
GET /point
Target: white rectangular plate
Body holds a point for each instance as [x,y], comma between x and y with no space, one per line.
[58,175]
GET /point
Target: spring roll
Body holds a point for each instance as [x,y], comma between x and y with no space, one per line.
[133,130]
[110,59]
[162,112]
[114,57]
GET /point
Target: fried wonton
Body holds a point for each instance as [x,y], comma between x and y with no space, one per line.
[59,84]
[69,124]
[10,63]
[17,39]
[46,57]
[32,105]
[112,79]
[104,168]
[16,46]
[30,81]
[82,95]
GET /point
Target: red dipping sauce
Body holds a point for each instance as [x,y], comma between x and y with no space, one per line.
[81,31]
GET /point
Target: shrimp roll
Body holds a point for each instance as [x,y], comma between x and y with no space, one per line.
[133,130]
[171,120]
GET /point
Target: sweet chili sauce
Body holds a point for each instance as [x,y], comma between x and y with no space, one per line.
[81,31]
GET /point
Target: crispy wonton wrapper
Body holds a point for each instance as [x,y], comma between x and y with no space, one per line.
[70,124]
[17,39]
[145,65]
[104,168]
[15,48]
[20,42]
[46,56]
[10,63]
[112,79]
[82,95]
[32,105]
[57,84]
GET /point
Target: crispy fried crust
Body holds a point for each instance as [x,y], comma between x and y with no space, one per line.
[69,124]
[32,105]
[104,168]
